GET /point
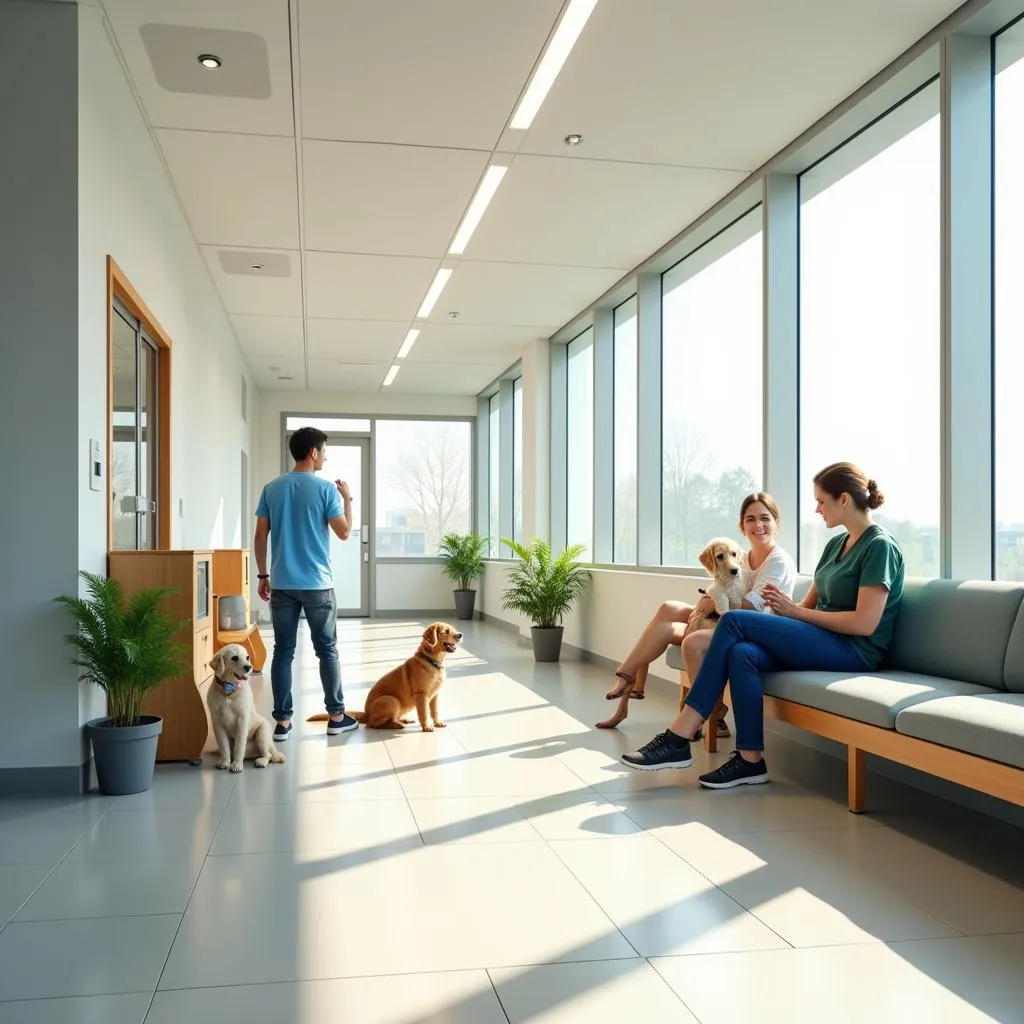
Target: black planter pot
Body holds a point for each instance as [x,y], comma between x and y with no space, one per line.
[464,603]
[547,642]
[124,756]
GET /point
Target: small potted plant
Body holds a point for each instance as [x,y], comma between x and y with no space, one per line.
[544,589]
[126,649]
[463,556]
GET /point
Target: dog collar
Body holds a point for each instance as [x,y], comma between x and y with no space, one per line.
[227,687]
[427,657]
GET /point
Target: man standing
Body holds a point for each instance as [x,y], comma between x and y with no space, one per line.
[299,508]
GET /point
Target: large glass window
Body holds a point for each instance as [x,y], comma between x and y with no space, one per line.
[517,459]
[869,325]
[423,484]
[493,469]
[712,345]
[580,438]
[1009,312]
[625,452]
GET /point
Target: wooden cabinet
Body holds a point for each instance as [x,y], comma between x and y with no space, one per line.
[181,702]
[231,577]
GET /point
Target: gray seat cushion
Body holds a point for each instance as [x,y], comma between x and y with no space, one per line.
[955,629]
[674,657]
[990,725]
[1013,670]
[876,698]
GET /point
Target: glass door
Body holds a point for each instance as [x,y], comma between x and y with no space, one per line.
[348,459]
[133,470]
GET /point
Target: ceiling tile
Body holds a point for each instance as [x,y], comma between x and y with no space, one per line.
[459,343]
[705,85]
[355,339]
[558,211]
[444,378]
[445,73]
[395,200]
[519,293]
[254,295]
[366,287]
[263,22]
[237,189]
[268,371]
[335,375]
[269,335]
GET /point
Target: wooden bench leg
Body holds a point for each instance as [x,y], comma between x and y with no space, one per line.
[855,780]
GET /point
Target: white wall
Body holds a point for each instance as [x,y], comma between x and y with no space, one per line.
[416,586]
[611,616]
[127,208]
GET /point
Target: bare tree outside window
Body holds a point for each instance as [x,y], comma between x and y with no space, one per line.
[423,485]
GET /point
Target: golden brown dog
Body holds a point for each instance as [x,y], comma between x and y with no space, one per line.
[723,562]
[414,684]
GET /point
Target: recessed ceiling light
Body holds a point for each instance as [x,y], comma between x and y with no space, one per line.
[562,42]
[434,292]
[573,140]
[392,374]
[484,194]
[410,340]
[455,314]
[209,60]
[255,266]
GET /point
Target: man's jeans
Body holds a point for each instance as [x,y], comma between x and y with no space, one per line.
[322,615]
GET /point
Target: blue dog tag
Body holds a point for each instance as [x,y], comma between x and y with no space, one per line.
[228,687]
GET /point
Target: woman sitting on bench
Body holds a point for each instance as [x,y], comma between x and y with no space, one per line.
[844,624]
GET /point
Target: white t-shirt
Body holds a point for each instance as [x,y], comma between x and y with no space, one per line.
[777,568]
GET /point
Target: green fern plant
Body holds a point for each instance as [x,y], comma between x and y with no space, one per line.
[463,556]
[542,587]
[126,648]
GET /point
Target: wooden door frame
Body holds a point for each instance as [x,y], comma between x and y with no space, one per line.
[120,288]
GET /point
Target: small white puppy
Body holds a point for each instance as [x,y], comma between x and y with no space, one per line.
[236,722]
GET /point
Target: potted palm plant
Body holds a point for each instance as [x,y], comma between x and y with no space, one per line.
[463,556]
[126,649]
[544,589]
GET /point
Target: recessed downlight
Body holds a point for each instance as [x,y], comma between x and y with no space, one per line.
[573,140]
[210,61]
[255,266]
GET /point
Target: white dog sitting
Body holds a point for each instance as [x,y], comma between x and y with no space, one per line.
[236,722]
[724,564]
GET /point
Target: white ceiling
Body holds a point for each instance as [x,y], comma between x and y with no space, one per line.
[400,107]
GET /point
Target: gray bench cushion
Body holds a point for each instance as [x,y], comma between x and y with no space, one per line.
[989,725]
[955,629]
[874,698]
[1013,670]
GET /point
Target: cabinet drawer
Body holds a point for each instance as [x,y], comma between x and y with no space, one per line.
[202,652]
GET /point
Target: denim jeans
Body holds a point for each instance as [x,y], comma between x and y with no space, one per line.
[322,616]
[747,643]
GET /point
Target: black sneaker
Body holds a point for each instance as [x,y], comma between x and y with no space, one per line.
[282,731]
[344,724]
[666,750]
[735,772]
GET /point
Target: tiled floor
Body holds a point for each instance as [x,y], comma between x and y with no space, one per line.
[506,868]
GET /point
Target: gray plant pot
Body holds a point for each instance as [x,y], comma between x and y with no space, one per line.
[124,756]
[547,642]
[464,602]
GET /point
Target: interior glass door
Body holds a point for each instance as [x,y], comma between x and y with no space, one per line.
[348,460]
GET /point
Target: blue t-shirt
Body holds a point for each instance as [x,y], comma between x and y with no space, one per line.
[299,507]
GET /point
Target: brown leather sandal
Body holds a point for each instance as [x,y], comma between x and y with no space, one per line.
[616,693]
